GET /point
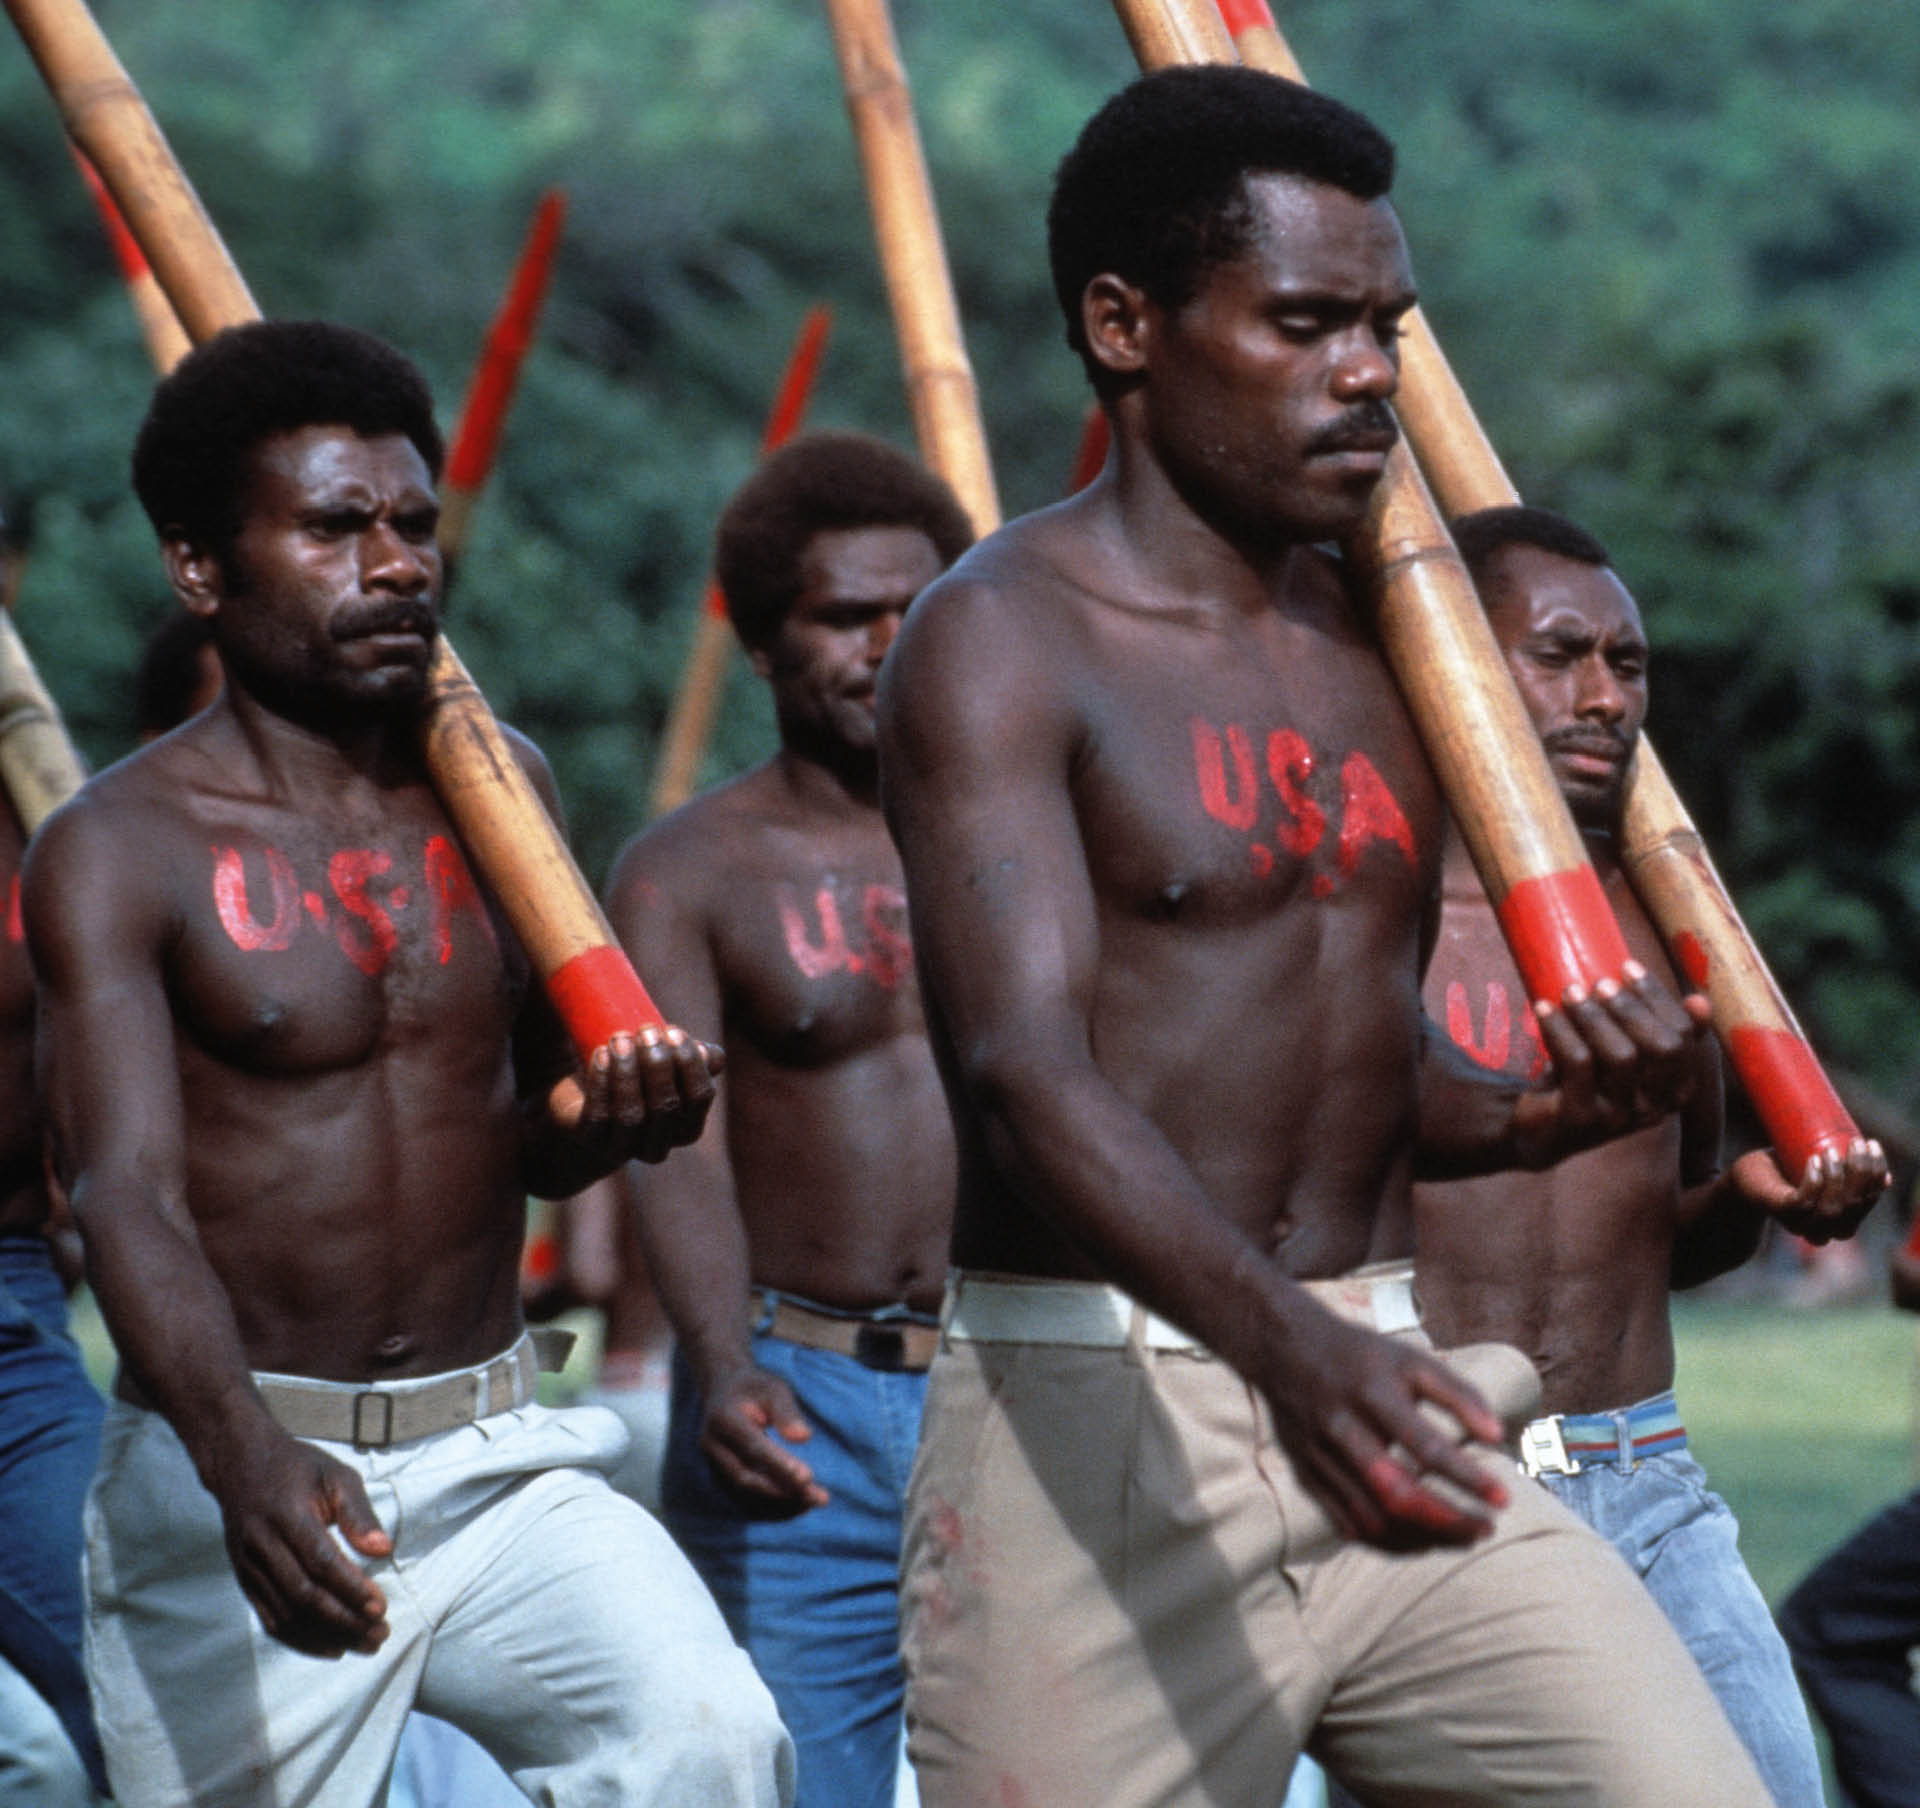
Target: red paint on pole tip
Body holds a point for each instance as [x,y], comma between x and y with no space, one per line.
[1693,959]
[126,248]
[788,410]
[796,383]
[1562,933]
[1245,15]
[599,996]
[1095,437]
[478,437]
[1801,1112]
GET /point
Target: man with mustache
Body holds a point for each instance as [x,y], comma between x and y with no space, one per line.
[1574,1263]
[801,1245]
[1172,848]
[299,1085]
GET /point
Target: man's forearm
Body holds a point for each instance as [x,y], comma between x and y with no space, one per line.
[1108,1180]
[172,1323]
[1718,1228]
[697,1255]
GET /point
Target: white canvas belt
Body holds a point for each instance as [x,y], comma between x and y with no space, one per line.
[376,1415]
[1093,1315]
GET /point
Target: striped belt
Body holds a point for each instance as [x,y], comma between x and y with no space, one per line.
[1566,1443]
[987,1308]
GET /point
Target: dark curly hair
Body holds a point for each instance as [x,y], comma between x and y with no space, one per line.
[1154,189]
[819,483]
[1481,534]
[246,384]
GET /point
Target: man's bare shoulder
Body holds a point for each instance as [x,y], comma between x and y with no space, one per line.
[700,842]
[1002,631]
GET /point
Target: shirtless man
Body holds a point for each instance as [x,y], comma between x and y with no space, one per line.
[51,1414]
[1578,1272]
[298,1081]
[1170,845]
[801,1245]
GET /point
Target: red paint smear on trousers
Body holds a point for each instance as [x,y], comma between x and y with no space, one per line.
[1802,1113]
[1562,933]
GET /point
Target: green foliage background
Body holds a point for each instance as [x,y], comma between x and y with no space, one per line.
[1671,245]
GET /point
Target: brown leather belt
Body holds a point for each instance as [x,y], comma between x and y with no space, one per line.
[889,1344]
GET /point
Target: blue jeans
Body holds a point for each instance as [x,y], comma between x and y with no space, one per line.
[50,1417]
[1854,1625]
[815,1597]
[1682,1540]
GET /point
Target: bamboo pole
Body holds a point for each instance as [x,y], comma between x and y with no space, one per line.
[1436,640]
[476,442]
[485,791]
[1091,454]
[940,386]
[160,327]
[1661,850]
[697,702]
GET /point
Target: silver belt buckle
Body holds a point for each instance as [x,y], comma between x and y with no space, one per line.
[1543,1449]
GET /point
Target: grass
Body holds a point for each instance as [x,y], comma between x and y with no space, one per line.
[1803,1420]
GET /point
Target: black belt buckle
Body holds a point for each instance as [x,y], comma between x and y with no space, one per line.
[365,1436]
[882,1347]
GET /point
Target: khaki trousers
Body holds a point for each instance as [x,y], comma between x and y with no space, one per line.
[1116,1595]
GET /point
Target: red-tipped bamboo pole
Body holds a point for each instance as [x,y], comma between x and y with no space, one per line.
[696,703]
[476,441]
[940,386]
[1664,856]
[1091,454]
[1436,640]
[160,327]
[512,840]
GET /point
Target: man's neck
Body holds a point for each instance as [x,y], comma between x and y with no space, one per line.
[837,778]
[297,752]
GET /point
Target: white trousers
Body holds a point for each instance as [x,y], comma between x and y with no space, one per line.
[530,1605]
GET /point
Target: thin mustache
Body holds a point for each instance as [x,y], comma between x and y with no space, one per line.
[1370,427]
[400,617]
[1587,740]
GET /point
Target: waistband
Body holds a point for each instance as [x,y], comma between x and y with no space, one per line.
[893,1340]
[376,1415]
[1566,1443]
[1094,1315]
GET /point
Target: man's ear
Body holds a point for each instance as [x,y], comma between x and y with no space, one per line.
[193,571]
[1117,321]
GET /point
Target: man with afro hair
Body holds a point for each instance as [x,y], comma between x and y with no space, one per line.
[801,1244]
[299,1083]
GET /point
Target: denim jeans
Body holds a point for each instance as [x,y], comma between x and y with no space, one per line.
[1682,1540]
[50,1417]
[1854,1628]
[815,1597]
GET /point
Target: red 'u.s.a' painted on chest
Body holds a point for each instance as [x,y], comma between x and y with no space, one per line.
[880,951]
[361,909]
[1494,1045]
[1229,769]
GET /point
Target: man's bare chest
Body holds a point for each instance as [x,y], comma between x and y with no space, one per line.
[302,947]
[1233,794]
[815,958]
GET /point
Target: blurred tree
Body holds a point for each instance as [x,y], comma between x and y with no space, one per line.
[1670,244]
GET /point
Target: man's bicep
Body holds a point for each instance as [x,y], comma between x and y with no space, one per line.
[655,912]
[998,884]
[104,1033]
